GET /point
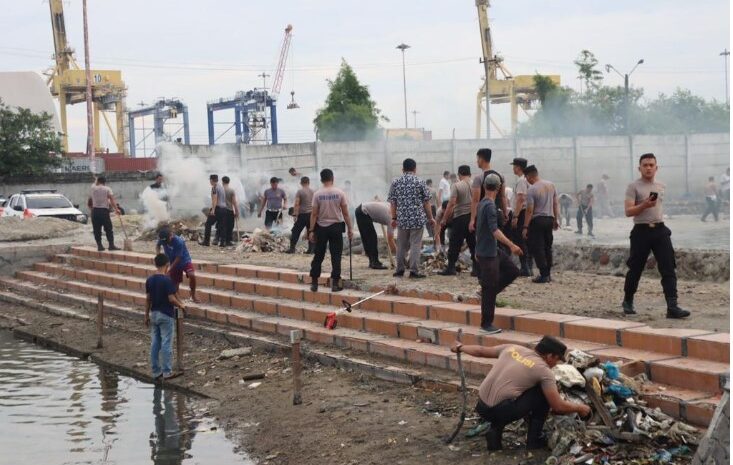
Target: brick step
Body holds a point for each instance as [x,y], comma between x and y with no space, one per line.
[693,406]
[699,344]
[674,370]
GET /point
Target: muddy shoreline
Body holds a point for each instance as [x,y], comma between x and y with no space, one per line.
[346,417]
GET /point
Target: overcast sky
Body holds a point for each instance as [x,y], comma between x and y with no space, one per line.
[199,51]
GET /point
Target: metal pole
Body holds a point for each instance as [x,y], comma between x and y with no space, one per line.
[88,72]
[100,319]
[488,104]
[725,55]
[295,337]
[626,104]
[404,84]
[179,341]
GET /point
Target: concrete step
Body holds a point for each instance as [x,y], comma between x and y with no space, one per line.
[272,282]
[694,406]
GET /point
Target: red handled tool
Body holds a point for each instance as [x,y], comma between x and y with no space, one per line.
[331,320]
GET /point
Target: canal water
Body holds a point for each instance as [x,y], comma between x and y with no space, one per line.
[56,409]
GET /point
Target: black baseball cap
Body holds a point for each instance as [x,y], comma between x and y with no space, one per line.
[520,162]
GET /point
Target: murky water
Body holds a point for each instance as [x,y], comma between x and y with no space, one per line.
[56,409]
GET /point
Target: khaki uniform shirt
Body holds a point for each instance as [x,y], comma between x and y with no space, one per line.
[640,190]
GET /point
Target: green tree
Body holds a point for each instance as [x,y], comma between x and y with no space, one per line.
[349,112]
[28,142]
[587,71]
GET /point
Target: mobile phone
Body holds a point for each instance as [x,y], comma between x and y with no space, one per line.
[653,196]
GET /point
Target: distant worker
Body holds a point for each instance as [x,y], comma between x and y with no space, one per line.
[444,188]
[543,210]
[604,201]
[712,200]
[329,220]
[521,385]
[367,214]
[725,185]
[433,202]
[585,200]
[159,188]
[276,201]
[483,161]
[160,317]
[302,212]
[458,212]
[410,199]
[566,203]
[179,258]
[101,198]
[643,201]
[231,213]
[293,172]
[216,212]
[519,213]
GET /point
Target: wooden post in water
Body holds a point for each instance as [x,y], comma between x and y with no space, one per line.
[100,320]
[179,341]
[295,336]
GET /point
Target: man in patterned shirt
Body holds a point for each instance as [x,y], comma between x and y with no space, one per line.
[410,199]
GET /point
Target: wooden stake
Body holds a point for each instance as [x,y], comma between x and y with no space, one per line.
[179,341]
[100,320]
[389,251]
[295,336]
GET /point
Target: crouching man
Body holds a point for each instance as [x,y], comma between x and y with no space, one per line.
[521,384]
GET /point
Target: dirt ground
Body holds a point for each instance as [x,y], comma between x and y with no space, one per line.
[345,418]
[576,293]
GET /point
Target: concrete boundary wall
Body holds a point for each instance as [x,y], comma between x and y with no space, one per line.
[685,160]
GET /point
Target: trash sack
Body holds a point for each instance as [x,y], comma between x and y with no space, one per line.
[620,391]
[611,370]
[594,372]
[581,360]
[568,375]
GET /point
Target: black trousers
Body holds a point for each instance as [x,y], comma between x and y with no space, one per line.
[657,240]
[496,274]
[368,234]
[588,217]
[301,223]
[539,241]
[271,217]
[458,233]
[216,219]
[330,237]
[525,260]
[711,206]
[431,231]
[101,219]
[444,205]
[531,403]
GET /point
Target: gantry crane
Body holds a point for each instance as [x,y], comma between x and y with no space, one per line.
[518,91]
[162,111]
[251,107]
[68,84]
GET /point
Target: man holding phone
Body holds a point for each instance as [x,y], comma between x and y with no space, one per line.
[644,202]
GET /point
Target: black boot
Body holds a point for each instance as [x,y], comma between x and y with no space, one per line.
[674,311]
[100,247]
[628,306]
[112,246]
[314,284]
[310,250]
[536,439]
[291,249]
[336,285]
[449,270]
[376,265]
[493,437]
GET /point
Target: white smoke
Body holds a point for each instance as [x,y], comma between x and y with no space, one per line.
[156,209]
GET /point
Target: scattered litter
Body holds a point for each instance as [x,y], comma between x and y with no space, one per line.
[254,385]
[402,422]
[261,240]
[568,375]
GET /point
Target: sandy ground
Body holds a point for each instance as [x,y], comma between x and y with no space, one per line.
[570,292]
[345,418]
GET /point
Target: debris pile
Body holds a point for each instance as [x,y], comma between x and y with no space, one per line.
[188,228]
[431,263]
[622,429]
[261,240]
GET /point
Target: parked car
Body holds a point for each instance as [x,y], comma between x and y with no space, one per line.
[43,202]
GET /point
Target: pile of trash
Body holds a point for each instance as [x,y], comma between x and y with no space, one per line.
[431,262]
[188,228]
[623,429]
[262,240]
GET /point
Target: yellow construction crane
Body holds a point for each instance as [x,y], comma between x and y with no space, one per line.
[68,84]
[518,91]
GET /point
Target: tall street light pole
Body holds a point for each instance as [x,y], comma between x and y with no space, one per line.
[414,118]
[725,53]
[404,47]
[88,73]
[627,127]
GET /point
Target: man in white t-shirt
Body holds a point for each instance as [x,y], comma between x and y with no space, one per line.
[444,188]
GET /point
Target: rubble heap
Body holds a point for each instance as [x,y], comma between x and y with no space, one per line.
[261,240]
[188,228]
[623,429]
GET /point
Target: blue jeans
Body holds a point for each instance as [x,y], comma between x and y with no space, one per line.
[161,335]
